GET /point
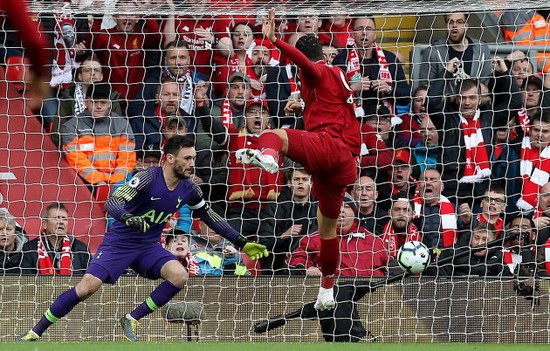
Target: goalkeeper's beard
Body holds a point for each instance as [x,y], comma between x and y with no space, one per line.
[182,173]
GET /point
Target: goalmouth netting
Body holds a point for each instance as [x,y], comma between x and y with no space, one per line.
[35,172]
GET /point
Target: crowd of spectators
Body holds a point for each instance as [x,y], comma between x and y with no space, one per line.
[467,163]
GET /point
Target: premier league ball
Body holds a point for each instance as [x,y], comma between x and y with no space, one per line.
[413,257]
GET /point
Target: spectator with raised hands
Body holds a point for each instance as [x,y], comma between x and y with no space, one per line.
[242,37]
[375,75]
[203,34]
[465,158]
[493,206]
[456,56]
[121,49]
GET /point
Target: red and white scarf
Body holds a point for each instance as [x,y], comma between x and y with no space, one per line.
[192,264]
[45,264]
[547,256]
[63,58]
[353,70]
[524,120]
[499,225]
[186,87]
[227,114]
[535,171]
[393,241]
[538,213]
[294,88]
[512,259]
[477,161]
[447,215]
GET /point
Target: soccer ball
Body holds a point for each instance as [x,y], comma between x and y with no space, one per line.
[413,257]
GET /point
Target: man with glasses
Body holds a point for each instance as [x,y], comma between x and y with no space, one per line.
[55,250]
[493,205]
[455,56]
[375,75]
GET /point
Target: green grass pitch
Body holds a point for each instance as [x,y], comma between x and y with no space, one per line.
[244,346]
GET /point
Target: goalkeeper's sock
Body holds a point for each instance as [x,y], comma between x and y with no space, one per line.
[60,308]
[329,261]
[270,144]
[158,298]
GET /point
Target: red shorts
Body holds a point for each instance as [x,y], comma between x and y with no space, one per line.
[330,163]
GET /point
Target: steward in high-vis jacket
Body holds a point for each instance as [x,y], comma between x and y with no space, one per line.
[98,143]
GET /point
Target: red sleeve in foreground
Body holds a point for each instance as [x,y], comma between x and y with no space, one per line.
[308,68]
[34,44]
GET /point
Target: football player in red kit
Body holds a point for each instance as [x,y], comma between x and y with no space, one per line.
[328,148]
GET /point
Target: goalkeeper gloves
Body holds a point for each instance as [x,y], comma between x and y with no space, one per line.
[137,223]
[255,251]
[252,250]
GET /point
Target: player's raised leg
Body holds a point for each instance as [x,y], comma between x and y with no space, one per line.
[270,145]
[63,305]
[175,277]
[329,261]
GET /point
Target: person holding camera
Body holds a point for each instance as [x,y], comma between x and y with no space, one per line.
[488,262]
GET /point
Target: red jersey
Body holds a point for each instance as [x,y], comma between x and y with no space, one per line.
[201,51]
[123,55]
[328,98]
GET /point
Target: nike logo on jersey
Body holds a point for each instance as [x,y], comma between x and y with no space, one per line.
[179,202]
[154,198]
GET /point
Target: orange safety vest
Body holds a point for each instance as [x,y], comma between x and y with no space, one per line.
[536,31]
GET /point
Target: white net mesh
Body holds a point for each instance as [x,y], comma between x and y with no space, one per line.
[148,84]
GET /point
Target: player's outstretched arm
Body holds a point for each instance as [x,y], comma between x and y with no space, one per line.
[253,250]
[295,55]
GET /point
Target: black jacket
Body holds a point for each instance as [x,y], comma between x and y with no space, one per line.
[79,261]
[446,119]
[276,219]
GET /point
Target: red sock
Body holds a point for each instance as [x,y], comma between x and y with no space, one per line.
[270,144]
[329,260]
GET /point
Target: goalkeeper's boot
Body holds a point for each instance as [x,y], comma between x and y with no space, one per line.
[30,336]
[325,299]
[269,324]
[129,326]
[256,158]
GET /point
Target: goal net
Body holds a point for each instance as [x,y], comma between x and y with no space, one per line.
[451,97]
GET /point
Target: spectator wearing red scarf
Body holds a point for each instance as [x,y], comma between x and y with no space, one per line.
[55,250]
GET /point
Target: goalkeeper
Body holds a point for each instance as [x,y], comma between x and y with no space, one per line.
[141,209]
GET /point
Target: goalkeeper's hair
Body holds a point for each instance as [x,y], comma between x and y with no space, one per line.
[311,47]
[176,143]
